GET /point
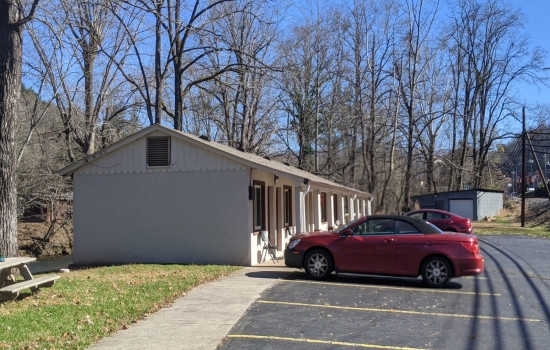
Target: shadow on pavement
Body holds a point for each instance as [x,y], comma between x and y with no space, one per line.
[296,275]
[270,274]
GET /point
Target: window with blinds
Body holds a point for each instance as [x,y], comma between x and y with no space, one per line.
[158,151]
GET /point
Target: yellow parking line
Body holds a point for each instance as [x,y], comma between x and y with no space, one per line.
[401,311]
[474,277]
[445,291]
[302,340]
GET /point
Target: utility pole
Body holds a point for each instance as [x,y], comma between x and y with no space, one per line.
[542,175]
[523,175]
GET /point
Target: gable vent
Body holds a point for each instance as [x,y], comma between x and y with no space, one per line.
[158,151]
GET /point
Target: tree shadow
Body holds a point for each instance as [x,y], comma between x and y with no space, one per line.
[514,296]
[374,280]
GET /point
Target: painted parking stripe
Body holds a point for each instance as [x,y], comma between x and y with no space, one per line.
[444,291]
[474,277]
[324,342]
[401,311]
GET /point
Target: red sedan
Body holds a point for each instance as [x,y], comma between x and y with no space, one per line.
[387,245]
[444,220]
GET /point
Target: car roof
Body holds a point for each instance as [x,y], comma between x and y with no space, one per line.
[432,210]
[421,224]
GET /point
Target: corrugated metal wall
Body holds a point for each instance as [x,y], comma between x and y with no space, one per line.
[485,203]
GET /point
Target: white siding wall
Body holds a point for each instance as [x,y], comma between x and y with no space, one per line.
[162,218]
[191,212]
[184,157]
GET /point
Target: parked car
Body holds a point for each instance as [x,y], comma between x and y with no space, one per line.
[444,220]
[387,245]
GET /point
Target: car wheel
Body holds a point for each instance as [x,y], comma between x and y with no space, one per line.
[436,272]
[318,264]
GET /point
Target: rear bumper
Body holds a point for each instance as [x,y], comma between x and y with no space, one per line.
[470,266]
[294,258]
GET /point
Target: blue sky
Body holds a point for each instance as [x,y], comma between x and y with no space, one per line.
[537,26]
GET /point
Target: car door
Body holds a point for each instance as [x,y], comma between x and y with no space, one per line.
[438,219]
[369,249]
[411,247]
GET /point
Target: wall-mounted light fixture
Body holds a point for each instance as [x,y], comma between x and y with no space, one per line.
[306,181]
[276,179]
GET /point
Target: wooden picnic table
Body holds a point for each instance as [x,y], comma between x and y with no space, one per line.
[10,286]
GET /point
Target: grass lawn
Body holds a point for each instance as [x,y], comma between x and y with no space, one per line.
[509,226]
[84,306]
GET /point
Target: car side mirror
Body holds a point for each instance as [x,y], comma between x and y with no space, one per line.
[347,232]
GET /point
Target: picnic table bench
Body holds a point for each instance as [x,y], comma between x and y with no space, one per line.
[10,286]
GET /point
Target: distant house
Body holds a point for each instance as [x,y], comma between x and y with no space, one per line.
[163,196]
[472,204]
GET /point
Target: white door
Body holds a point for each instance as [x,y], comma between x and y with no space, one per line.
[462,207]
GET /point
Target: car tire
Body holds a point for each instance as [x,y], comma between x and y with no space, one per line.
[318,264]
[436,272]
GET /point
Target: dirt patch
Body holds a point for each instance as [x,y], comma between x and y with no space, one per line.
[537,210]
[45,239]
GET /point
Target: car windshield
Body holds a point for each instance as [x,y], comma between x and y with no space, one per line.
[349,224]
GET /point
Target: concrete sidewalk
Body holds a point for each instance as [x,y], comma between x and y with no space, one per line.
[203,317]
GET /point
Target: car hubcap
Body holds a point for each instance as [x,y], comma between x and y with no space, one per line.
[436,272]
[317,265]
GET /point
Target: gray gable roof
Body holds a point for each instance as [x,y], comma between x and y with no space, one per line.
[248,159]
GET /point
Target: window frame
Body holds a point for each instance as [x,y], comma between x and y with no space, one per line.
[323,200]
[258,204]
[287,206]
[336,214]
[346,205]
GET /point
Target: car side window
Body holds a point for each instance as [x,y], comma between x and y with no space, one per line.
[404,227]
[433,216]
[417,216]
[360,229]
[380,226]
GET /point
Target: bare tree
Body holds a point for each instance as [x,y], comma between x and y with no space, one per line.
[305,76]
[490,56]
[76,44]
[146,77]
[370,41]
[188,32]
[243,103]
[435,88]
[12,20]
[44,200]
[409,67]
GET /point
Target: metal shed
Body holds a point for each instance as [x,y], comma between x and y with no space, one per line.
[474,204]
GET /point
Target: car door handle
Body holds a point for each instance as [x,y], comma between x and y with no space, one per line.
[389,240]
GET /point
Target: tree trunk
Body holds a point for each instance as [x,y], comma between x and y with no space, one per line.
[11,42]
[158,69]
[178,94]
[89,60]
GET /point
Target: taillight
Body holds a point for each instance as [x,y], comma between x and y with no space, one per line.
[471,245]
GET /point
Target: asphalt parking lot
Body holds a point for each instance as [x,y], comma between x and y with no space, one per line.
[506,307]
